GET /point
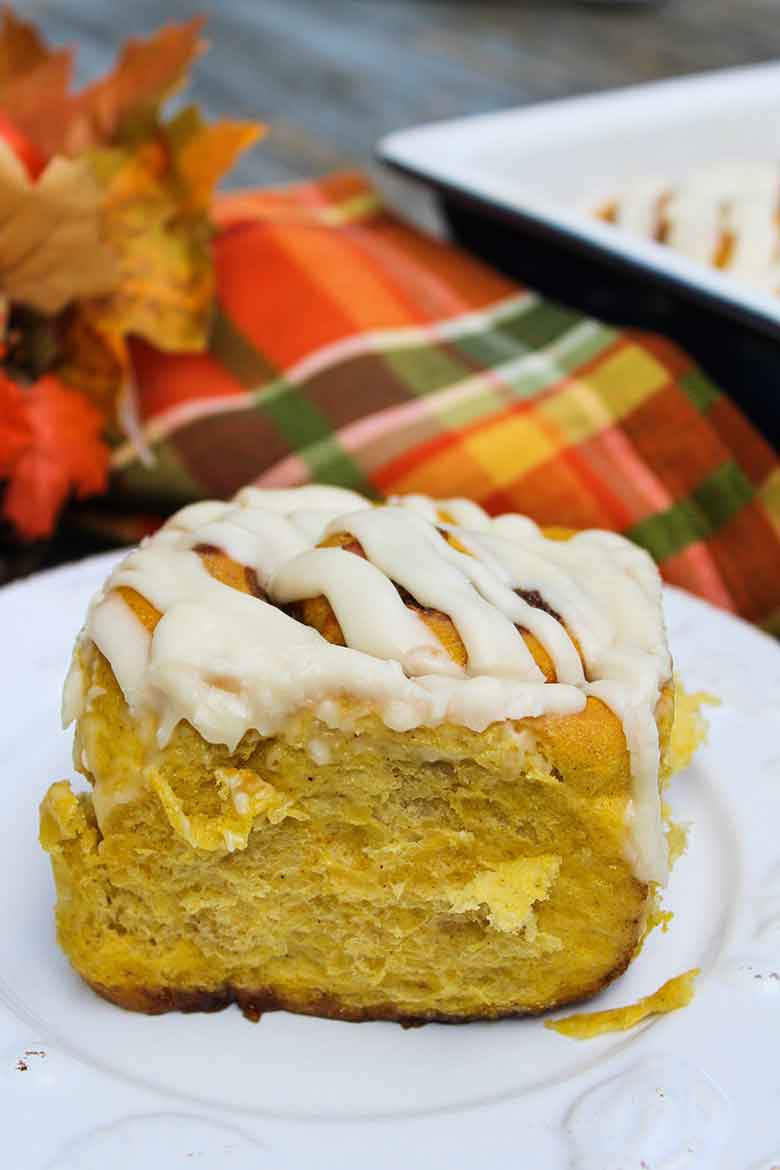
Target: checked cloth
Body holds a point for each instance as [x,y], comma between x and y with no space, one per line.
[347,347]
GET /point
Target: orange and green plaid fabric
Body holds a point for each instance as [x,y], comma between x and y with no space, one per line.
[351,349]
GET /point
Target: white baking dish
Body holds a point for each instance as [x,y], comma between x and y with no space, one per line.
[548,165]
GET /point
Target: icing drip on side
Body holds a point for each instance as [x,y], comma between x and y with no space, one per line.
[227,661]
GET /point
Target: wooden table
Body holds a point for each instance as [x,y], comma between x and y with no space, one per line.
[333,76]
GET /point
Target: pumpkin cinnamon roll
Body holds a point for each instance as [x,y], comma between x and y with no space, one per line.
[397,761]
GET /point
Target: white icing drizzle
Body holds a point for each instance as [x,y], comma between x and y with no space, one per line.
[736,201]
[410,552]
[385,629]
[637,209]
[227,661]
[463,512]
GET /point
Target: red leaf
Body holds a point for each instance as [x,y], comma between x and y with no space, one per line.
[65,453]
[15,428]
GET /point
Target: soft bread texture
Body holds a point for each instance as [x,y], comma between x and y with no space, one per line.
[347,869]
[441,874]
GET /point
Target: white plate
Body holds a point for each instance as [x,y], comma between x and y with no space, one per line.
[86,1086]
[548,163]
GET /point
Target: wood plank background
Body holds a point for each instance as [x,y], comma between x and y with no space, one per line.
[333,76]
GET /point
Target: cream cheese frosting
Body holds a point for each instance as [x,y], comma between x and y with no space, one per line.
[726,215]
[227,661]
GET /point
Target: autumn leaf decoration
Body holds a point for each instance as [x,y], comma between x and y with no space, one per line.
[104,235]
[50,445]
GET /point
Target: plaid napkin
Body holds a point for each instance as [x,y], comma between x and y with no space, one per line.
[349,348]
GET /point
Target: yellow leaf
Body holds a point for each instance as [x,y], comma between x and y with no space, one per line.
[166,282]
[51,248]
[206,156]
[155,219]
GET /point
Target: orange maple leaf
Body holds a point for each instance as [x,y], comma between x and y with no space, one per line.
[34,79]
[64,453]
[21,46]
[38,103]
[146,73]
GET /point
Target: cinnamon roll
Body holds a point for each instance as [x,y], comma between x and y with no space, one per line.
[725,216]
[396,761]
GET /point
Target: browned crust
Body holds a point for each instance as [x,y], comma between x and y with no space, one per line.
[255,1003]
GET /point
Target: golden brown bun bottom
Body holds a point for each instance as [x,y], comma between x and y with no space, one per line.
[255,1004]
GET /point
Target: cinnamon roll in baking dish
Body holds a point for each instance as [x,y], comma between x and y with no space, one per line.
[399,761]
[725,216]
